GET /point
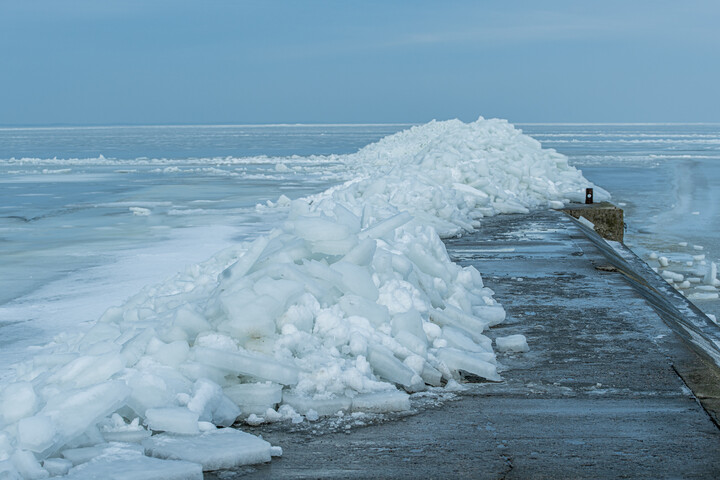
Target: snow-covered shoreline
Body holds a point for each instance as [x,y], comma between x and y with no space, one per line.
[350,305]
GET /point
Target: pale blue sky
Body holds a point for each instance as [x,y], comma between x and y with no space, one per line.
[81,62]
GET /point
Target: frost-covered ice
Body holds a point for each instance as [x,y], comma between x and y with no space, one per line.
[351,304]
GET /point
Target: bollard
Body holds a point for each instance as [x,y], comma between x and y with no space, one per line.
[589,196]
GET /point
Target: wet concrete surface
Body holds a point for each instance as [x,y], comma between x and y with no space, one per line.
[596,397]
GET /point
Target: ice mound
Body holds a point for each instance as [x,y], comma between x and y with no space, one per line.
[351,305]
[447,174]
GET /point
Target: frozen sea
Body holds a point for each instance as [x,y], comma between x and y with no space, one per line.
[89,216]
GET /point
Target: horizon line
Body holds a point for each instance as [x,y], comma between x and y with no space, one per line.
[204,125]
[344,124]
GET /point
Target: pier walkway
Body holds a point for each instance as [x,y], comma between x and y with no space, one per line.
[598,396]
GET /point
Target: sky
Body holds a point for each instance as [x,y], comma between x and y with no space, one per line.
[130,62]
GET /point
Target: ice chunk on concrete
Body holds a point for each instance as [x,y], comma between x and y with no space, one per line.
[17,400]
[457,338]
[256,396]
[225,412]
[137,467]
[431,376]
[323,406]
[474,363]
[586,222]
[35,433]
[512,343]
[218,449]
[172,419]
[211,404]
[386,365]
[206,394]
[381,402]
[255,365]
[455,317]
[491,314]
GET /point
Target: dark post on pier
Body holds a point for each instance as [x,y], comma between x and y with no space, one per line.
[589,196]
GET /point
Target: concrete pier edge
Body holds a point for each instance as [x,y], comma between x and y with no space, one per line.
[700,334]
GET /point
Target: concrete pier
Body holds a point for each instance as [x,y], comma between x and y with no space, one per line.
[598,395]
[608,219]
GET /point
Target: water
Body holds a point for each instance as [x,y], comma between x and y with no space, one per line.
[88,216]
